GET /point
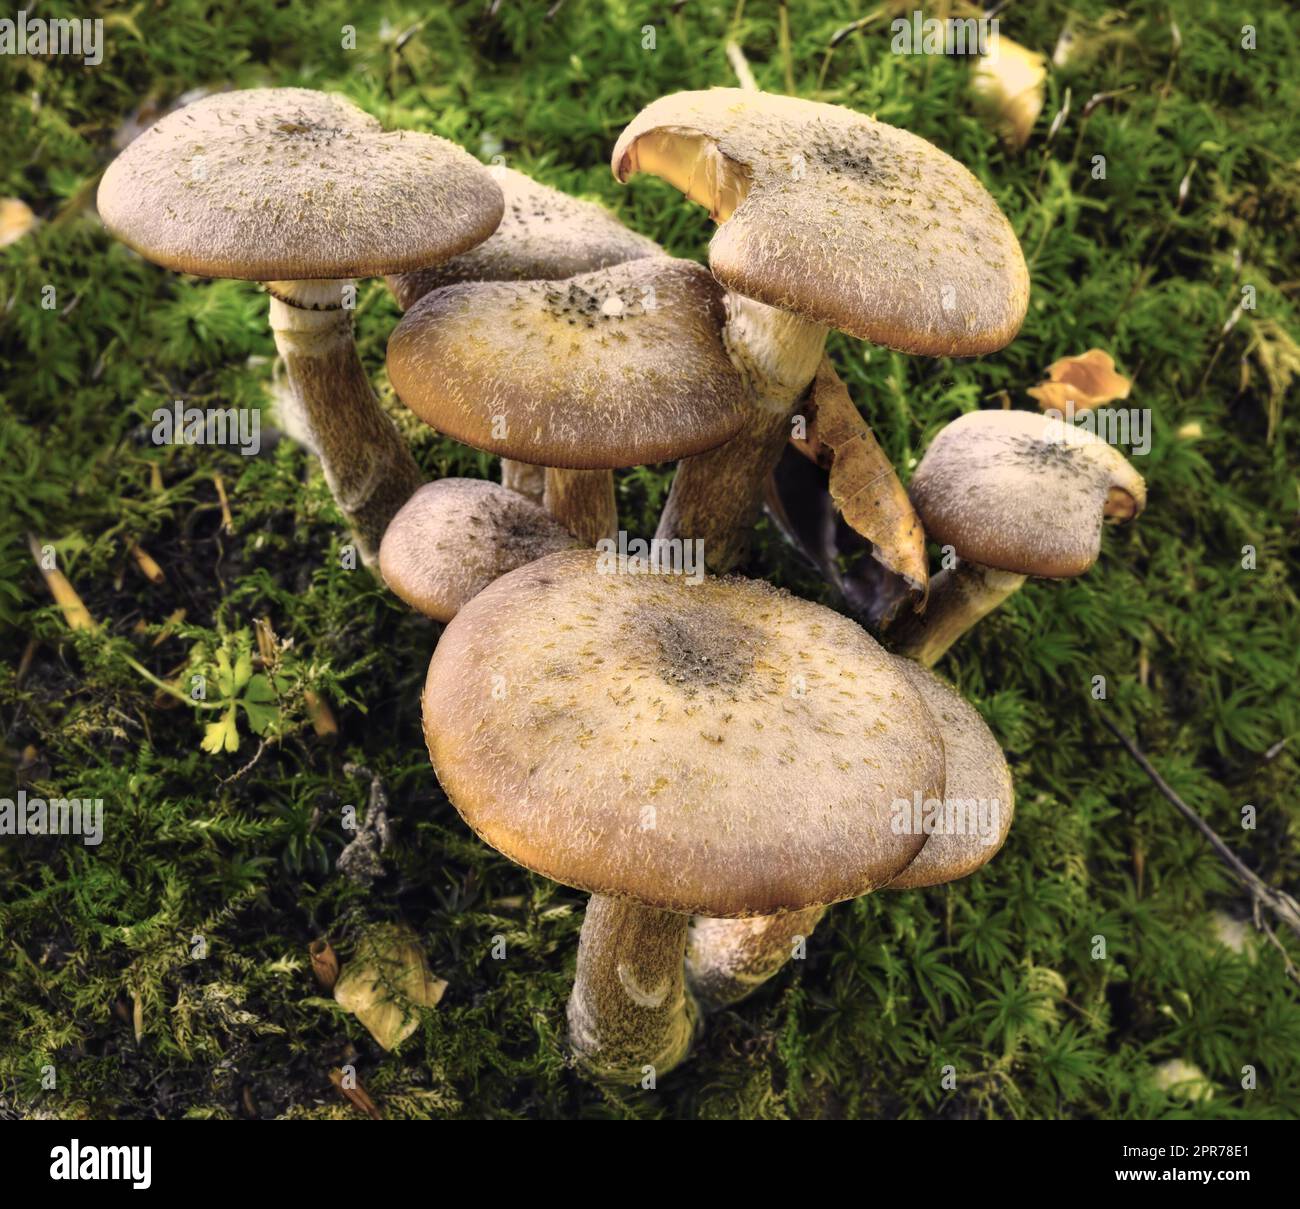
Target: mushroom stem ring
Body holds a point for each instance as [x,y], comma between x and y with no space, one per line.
[631,1017]
[367,465]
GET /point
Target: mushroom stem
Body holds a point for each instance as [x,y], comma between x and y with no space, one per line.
[528,480]
[367,465]
[959,597]
[728,959]
[583,502]
[631,1017]
[716,496]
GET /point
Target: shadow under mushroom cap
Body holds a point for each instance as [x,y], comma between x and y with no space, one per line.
[720,747]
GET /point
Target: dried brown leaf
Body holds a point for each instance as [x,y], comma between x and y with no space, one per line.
[354,1091]
[324,963]
[863,485]
[1088,380]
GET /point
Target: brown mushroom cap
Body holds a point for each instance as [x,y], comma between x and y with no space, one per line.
[719,747]
[620,367]
[839,218]
[288,184]
[545,235]
[977,788]
[454,537]
[1023,493]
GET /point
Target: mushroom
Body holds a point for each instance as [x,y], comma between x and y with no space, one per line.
[675,748]
[1014,494]
[618,367]
[304,191]
[545,235]
[727,959]
[828,219]
[454,537]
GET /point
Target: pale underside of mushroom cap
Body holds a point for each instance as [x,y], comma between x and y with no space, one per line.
[454,537]
[1023,493]
[545,235]
[719,747]
[620,367]
[839,218]
[288,184]
[978,798]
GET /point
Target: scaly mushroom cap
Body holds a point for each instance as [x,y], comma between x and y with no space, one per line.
[839,218]
[720,748]
[1024,493]
[545,235]
[978,799]
[287,184]
[454,537]
[620,367]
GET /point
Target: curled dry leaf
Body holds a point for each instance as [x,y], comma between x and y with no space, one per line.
[1088,380]
[386,982]
[863,485]
[1008,85]
[16,220]
[352,1089]
[324,963]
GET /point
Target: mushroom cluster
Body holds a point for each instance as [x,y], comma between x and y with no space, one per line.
[715,761]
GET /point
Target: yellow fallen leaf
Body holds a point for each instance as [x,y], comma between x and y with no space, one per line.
[385,983]
[1008,85]
[16,220]
[1088,380]
[863,485]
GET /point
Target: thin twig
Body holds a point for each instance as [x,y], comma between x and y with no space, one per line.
[1261,925]
[1283,906]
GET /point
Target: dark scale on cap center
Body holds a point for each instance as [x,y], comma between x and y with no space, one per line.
[520,532]
[859,156]
[1051,457]
[304,129]
[698,650]
[582,307]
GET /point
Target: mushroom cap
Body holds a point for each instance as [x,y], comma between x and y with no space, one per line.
[545,235]
[619,367]
[454,537]
[288,184]
[1024,493]
[716,747]
[839,218]
[978,795]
